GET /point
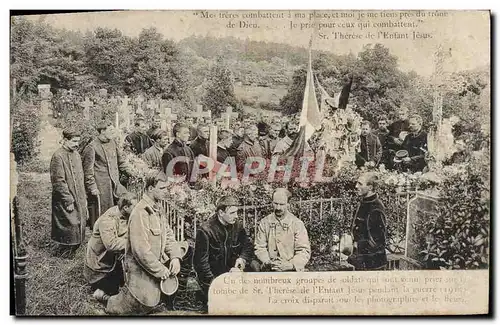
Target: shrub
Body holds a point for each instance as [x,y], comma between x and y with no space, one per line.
[25,118]
[457,237]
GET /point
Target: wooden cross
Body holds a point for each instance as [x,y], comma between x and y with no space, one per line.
[212,152]
[87,104]
[168,118]
[228,115]
[199,113]
[139,100]
[125,108]
[151,106]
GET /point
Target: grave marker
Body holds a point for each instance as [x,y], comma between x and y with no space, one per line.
[201,114]
[227,117]
[87,104]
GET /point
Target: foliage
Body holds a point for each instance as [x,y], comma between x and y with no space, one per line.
[109,56]
[41,54]
[458,236]
[156,68]
[253,51]
[25,127]
[378,85]
[219,92]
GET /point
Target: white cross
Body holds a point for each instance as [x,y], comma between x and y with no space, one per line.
[200,113]
[126,110]
[87,104]
[228,115]
[168,117]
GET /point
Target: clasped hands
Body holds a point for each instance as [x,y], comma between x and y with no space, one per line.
[174,268]
[279,265]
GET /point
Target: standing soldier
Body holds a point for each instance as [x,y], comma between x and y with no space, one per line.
[153,155]
[69,202]
[102,162]
[180,150]
[368,227]
[281,242]
[370,148]
[416,145]
[138,141]
[250,147]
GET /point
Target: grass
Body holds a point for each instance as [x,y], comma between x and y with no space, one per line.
[55,284]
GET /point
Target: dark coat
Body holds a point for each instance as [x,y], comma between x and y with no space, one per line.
[200,146]
[369,232]
[416,145]
[68,187]
[138,142]
[394,130]
[371,150]
[153,156]
[102,164]
[222,154]
[246,150]
[178,149]
[233,150]
[217,248]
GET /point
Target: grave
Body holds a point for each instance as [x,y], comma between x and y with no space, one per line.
[422,205]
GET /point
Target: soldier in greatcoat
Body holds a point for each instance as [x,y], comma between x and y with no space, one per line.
[281,241]
[102,163]
[69,201]
[103,269]
[153,254]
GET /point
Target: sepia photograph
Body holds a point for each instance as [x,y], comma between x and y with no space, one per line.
[250,162]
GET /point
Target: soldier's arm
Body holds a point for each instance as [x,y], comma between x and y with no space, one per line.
[201,258]
[376,229]
[261,251]
[302,247]
[246,252]
[140,247]
[58,179]
[123,165]
[109,235]
[378,147]
[88,160]
[172,247]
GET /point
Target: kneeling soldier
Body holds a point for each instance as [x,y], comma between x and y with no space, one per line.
[221,244]
[154,254]
[281,242]
[105,249]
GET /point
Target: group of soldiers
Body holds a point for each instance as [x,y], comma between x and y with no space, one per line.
[246,138]
[132,249]
[401,145]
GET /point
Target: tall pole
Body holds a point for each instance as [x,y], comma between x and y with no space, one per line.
[18,247]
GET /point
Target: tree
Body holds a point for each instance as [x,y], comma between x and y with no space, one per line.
[109,57]
[219,91]
[157,68]
[41,54]
[378,85]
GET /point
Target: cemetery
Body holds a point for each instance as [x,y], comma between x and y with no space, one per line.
[435,219]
